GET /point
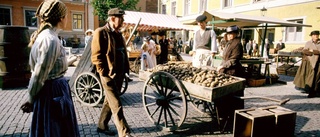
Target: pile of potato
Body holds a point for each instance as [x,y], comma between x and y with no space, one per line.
[204,77]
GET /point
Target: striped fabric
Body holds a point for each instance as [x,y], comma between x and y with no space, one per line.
[152,21]
[47,61]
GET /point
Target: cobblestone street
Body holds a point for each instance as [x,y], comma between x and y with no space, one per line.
[15,123]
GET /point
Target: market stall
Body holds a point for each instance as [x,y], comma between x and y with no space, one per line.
[152,21]
[223,20]
[288,67]
[149,22]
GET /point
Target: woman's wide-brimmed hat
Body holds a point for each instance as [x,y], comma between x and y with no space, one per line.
[233,28]
[89,30]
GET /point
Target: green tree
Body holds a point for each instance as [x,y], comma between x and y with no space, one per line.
[102,6]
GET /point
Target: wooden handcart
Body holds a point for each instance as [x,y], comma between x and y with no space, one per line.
[165,99]
[134,61]
[85,81]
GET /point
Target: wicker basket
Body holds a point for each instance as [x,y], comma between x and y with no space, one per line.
[134,54]
[256,82]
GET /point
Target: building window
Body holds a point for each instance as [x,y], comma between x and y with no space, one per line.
[164,9]
[227,3]
[203,5]
[187,7]
[77,21]
[5,16]
[294,33]
[173,8]
[30,19]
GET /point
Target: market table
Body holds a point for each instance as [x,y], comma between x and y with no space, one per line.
[286,56]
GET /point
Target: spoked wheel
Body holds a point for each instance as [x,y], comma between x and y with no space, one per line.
[88,89]
[202,106]
[164,100]
[124,86]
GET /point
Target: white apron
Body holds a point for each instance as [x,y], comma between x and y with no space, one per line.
[203,57]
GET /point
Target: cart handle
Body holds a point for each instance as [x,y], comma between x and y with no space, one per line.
[281,102]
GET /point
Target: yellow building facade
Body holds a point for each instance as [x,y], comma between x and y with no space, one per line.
[299,11]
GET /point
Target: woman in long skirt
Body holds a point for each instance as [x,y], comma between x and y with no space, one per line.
[49,93]
[308,74]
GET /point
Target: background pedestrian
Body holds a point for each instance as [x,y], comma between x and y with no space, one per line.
[88,38]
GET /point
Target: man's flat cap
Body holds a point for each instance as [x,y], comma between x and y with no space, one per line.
[154,33]
[201,18]
[115,12]
[233,28]
[315,32]
[161,33]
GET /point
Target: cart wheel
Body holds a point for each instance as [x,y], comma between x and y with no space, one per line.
[124,86]
[202,106]
[164,100]
[88,89]
[136,65]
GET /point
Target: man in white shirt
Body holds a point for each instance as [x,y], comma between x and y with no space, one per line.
[205,46]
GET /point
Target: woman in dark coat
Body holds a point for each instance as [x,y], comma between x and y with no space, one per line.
[231,65]
[232,54]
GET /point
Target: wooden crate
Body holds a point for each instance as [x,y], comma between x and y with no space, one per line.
[285,120]
[253,123]
[281,70]
[292,71]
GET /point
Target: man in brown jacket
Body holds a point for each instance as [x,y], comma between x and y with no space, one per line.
[109,55]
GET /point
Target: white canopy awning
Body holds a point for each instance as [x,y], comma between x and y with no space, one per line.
[227,19]
[152,21]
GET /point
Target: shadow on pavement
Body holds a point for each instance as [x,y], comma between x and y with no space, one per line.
[302,122]
[196,126]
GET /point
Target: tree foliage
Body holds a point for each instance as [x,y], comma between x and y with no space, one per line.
[102,6]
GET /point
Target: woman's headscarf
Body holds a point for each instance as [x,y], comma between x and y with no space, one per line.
[48,11]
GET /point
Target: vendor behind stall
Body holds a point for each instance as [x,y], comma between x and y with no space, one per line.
[205,46]
[232,54]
